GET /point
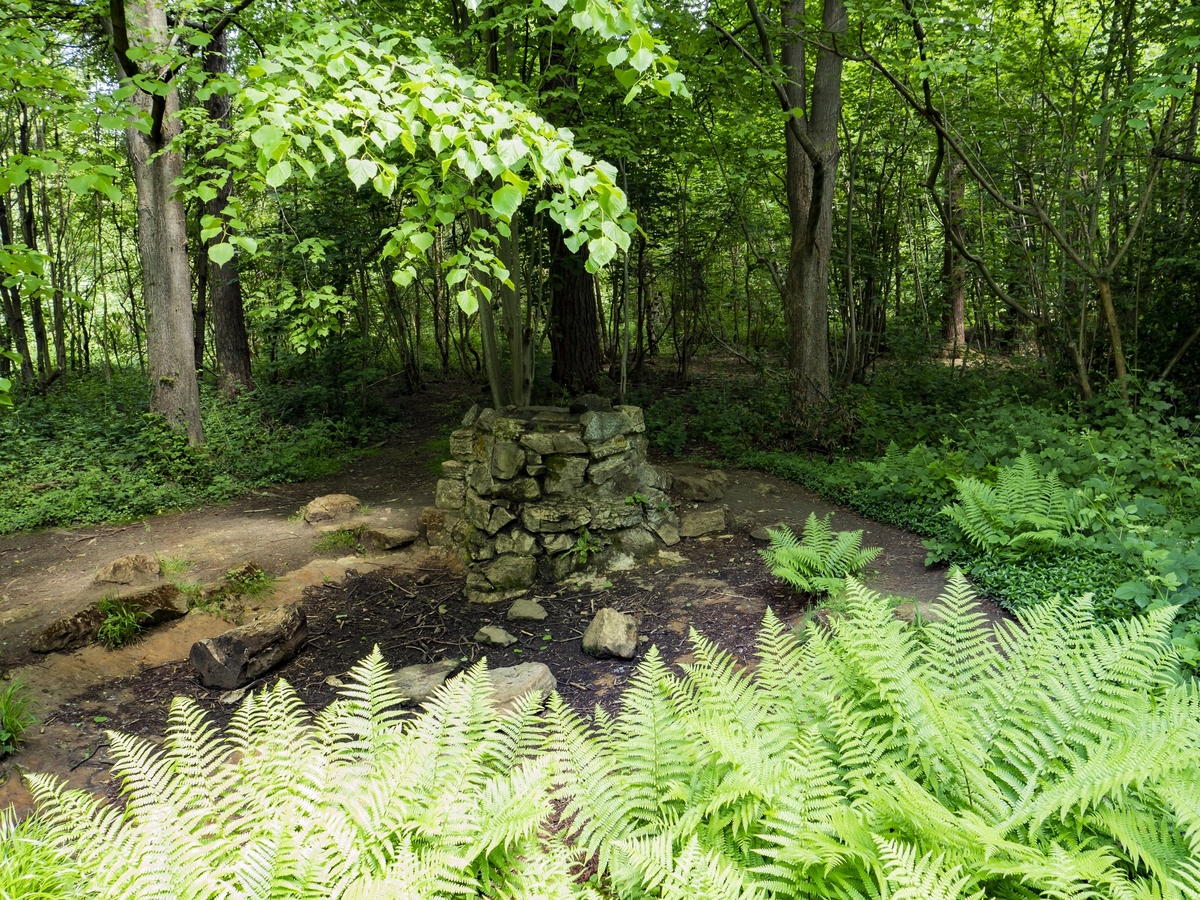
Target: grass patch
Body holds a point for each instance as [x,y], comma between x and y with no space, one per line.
[337,541]
[122,623]
[15,716]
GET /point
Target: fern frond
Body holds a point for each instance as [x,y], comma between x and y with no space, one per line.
[821,559]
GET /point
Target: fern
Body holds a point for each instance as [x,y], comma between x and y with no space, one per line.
[1024,512]
[820,561]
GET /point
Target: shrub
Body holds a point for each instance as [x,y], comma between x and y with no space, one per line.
[821,560]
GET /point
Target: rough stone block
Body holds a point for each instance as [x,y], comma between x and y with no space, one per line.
[612,634]
[652,478]
[605,449]
[636,541]
[472,416]
[507,459]
[486,420]
[590,403]
[240,655]
[523,490]
[557,543]
[498,519]
[479,479]
[478,510]
[562,442]
[449,494]
[481,449]
[441,527]
[388,538]
[137,568]
[565,474]
[512,572]
[603,426]
[606,470]
[480,547]
[697,522]
[462,445]
[454,470]
[565,514]
[610,515]
[516,541]
[535,470]
[635,416]
[509,428]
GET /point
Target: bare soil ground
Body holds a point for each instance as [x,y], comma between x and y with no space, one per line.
[410,604]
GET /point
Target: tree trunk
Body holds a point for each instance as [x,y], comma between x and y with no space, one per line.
[574,318]
[810,199]
[954,270]
[11,300]
[230,340]
[162,240]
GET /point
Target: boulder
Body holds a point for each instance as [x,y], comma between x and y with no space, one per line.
[472,416]
[696,522]
[494,636]
[636,541]
[701,488]
[511,683]
[612,634]
[761,534]
[526,609]
[416,684]
[557,543]
[388,538]
[454,470]
[241,655]
[522,490]
[154,605]
[479,479]
[134,569]
[450,493]
[331,507]
[441,527]
[512,572]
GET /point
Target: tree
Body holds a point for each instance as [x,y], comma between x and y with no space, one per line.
[140,42]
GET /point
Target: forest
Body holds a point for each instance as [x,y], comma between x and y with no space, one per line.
[933,262]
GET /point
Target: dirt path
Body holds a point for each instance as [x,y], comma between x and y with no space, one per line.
[717,584]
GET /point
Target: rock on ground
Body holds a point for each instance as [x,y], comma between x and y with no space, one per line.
[329,507]
[527,609]
[612,634]
[911,612]
[495,636]
[512,683]
[697,522]
[416,684]
[701,488]
[154,605]
[134,569]
[388,538]
[241,655]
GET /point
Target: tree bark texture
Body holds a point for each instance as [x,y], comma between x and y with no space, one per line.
[810,198]
[954,270]
[574,318]
[230,341]
[162,245]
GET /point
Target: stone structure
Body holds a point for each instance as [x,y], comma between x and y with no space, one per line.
[546,488]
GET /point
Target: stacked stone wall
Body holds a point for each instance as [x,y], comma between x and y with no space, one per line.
[527,487]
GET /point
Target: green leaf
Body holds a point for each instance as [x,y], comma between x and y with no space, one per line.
[361,170]
[422,241]
[268,139]
[467,301]
[601,250]
[279,173]
[221,253]
[506,201]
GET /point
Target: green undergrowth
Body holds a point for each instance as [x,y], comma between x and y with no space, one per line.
[928,449]
[91,453]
